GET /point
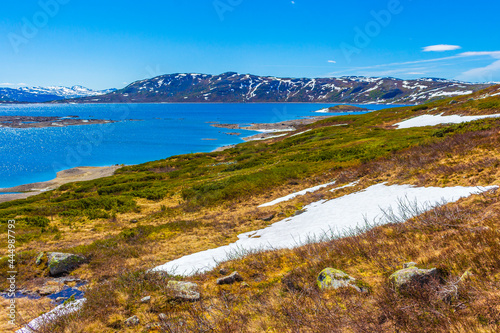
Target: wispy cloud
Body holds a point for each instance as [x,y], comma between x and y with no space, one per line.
[8,84]
[332,61]
[441,48]
[481,74]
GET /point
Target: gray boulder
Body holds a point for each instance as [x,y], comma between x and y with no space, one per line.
[184,291]
[60,263]
[230,279]
[331,278]
[411,274]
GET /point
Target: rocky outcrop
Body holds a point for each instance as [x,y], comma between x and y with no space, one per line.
[60,263]
[331,278]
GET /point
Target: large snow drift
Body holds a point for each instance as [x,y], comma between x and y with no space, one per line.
[433,120]
[325,218]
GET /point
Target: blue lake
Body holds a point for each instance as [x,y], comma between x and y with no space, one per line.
[37,154]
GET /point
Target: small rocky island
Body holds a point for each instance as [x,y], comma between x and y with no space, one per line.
[344,108]
[42,122]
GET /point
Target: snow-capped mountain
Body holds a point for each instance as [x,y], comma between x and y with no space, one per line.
[237,88]
[45,94]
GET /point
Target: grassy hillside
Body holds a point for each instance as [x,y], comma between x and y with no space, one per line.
[149,214]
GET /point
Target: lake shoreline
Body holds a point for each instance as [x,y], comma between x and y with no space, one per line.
[63,177]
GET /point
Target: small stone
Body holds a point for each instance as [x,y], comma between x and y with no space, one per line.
[49,290]
[60,299]
[331,278]
[132,321]
[162,316]
[134,221]
[223,271]
[146,299]
[184,291]
[298,212]
[230,279]
[268,218]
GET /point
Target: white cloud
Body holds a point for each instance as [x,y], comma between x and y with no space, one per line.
[332,61]
[7,84]
[494,54]
[488,73]
[441,48]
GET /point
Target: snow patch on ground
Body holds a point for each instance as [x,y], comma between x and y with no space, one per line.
[433,120]
[296,194]
[52,315]
[266,138]
[301,132]
[325,218]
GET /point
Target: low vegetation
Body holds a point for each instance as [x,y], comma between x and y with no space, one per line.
[148,214]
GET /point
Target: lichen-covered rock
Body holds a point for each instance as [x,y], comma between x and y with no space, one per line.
[184,291]
[230,279]
[412,274]
[49,289]
[331,278]
[60,263]
[146,299]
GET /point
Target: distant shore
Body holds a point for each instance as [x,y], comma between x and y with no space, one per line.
[268,130]
[63,177]
[43,122]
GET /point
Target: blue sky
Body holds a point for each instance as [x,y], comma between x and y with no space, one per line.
[104,44]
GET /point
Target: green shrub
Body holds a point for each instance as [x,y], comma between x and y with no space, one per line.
[37,221]
[94,214]
[489,105]
[420,108]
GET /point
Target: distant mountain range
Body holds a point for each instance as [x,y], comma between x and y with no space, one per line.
[239,88]
[245,88]
[41,94]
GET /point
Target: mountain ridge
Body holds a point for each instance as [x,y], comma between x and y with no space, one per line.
[46,94]
[232,87]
